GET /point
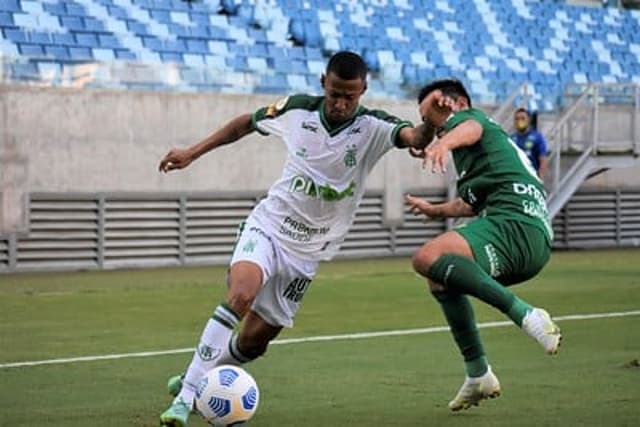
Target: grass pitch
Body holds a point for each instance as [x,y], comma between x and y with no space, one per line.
[385,381]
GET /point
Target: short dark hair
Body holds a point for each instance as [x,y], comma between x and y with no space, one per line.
[347,65]
[522,110]
[449,87]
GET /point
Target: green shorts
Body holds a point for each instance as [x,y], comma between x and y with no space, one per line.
[510,251]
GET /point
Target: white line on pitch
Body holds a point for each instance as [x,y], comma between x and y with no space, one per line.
[319,338]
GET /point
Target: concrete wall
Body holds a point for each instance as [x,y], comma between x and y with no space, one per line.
[68,140]
[94,140]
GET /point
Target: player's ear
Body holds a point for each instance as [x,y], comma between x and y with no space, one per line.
[322,79]
[364,87]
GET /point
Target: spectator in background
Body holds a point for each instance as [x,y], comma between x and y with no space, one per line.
[530,141]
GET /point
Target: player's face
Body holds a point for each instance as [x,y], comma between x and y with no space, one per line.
[341,97]
[521,121]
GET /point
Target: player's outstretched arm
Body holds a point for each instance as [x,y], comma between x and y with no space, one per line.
[179,158]
[416,139]
[455,208]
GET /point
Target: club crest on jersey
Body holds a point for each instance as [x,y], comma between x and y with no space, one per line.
[350,159]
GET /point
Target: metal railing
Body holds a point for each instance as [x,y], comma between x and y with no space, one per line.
[576,136]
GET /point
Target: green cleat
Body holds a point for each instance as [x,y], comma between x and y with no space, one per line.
[174,385]
[177,414]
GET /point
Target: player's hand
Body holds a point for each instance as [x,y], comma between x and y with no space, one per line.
[176,158]
[436,156]
[419,206]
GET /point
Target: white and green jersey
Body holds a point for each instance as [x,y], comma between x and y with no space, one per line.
[309,209]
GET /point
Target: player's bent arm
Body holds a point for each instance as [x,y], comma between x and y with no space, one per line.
[465,134]
[234,130]
[455,208]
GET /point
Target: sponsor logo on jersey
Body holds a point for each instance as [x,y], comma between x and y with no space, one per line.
[306,185]
[274,108]
[354,130]
[495,269]
[299,231]
[296,289]
[310,126]
[350,159]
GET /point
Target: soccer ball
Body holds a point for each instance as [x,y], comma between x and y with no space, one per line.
[227,396]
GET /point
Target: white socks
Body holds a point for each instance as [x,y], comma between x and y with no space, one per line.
[214,342]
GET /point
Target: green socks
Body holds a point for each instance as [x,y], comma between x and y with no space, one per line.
[459,314]
[462,275]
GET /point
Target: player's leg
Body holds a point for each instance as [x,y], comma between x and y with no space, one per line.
[512,252]
[253,261]
[245,281]
[251,342]
[450,261]
[480,382]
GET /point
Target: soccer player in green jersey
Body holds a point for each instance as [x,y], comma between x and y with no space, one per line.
[508,243]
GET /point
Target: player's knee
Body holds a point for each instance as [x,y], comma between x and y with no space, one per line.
[424,258]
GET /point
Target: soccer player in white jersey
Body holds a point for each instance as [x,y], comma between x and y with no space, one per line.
[332,142]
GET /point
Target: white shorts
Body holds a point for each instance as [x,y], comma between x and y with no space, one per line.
[286,278]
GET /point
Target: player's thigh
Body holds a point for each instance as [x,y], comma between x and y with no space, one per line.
[281,296]
[253,262]
[447,243]
[255,335]
[508,251]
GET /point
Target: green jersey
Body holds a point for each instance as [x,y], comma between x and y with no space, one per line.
[496,178]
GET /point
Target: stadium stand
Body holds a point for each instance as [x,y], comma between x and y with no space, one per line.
[275,46]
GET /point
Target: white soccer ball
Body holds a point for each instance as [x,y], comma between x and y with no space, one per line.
[227,396]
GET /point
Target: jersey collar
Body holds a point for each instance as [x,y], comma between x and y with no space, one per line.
[334,130]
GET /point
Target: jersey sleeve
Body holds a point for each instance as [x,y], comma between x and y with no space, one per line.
[463,116]
[388,128]
[268,120]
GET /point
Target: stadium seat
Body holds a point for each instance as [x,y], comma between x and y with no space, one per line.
[548,43]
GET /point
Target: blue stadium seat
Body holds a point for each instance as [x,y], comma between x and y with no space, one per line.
[24,71]
[6,20]
[16,36]
[87,40]
[125,55]
[64,39]
[31,50]
[108,41]
[10,6]
[197,46]
[80,54]
[55,8]
[152,43]
[171,57]
[74,9]
[59,53]
[137,28]
[92,24]
[73,23]
[177,46]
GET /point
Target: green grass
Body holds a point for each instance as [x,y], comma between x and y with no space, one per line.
[385,381]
